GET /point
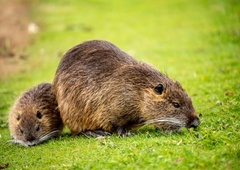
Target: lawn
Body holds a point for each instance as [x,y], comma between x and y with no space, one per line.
[194,42]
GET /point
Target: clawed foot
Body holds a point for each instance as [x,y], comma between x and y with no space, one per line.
[96,133]
[123,133]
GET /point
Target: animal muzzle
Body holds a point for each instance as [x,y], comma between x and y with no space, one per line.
[193,123]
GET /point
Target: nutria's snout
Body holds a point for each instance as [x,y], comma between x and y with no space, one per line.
[30,138]
[194,123]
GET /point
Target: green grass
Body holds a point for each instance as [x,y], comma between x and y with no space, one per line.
[194,42]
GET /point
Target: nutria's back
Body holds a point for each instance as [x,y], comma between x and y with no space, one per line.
[101,56]
[99,87]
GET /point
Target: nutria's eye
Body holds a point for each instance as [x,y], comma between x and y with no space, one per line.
[159,89]
[39,115]
[20,130]
[18,117]
[175,104]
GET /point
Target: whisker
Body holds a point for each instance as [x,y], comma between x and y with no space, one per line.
[49,135]
[35,142]
[18,142]
[11,141]
[176,122]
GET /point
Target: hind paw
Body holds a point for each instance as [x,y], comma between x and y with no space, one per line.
[123,132]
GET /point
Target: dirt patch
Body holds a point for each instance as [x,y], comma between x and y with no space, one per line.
[14,35]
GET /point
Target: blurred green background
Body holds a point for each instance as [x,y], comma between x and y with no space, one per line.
[194,42]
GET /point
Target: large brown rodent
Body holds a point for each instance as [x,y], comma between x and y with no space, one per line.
[100,90]
[34,117]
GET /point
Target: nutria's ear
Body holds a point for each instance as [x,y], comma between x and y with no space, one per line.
[159,89]
[177,83]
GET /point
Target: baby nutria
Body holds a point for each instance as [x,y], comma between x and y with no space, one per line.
[34,117]
[100,90]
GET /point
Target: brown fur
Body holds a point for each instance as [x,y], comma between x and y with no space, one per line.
[99,87]
[35,115]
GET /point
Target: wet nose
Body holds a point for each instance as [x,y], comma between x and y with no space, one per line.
[195,123]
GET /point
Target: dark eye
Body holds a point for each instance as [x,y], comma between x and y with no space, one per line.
[37,129]
[18,117]
[176,105]
[21,131]
[159,89]
[39,115]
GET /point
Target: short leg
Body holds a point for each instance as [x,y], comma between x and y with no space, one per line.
[95,133]
[122,132]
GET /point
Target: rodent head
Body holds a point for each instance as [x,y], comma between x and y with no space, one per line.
[168,107]
[34,117]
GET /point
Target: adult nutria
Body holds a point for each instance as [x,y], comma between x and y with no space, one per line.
[100,90]
[34,117]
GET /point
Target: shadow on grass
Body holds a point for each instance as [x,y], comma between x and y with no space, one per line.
[146,132]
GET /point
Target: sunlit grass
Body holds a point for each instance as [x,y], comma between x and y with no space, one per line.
[194,42]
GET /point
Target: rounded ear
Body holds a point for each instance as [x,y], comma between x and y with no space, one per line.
[159,89]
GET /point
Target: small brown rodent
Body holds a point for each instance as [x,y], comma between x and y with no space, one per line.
[100,90]
[35,117]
